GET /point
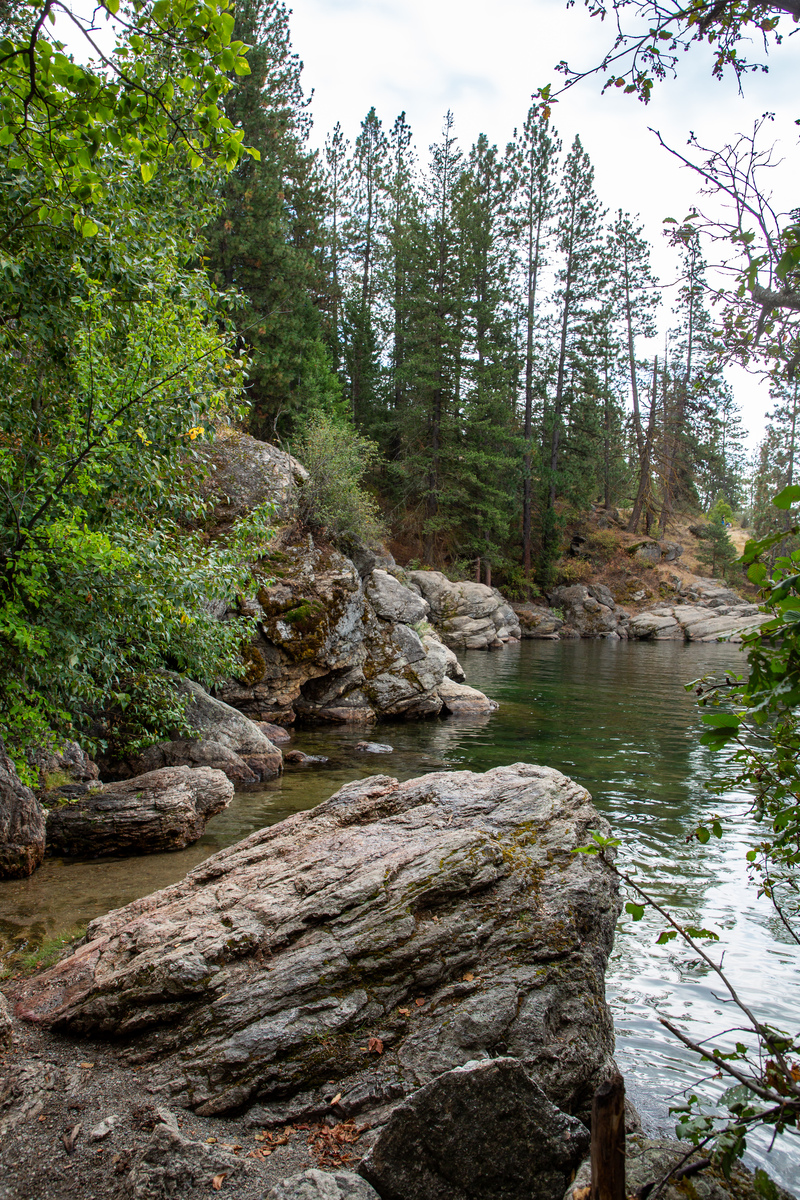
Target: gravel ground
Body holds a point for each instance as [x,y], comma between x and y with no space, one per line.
[55,1092]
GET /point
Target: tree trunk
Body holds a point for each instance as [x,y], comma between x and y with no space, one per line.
[608,1141]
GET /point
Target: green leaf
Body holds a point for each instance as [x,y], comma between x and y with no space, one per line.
[635,910]
[788,498]
[665,936]
[148,170]
[721,720]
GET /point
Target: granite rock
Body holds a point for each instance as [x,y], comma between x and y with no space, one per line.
[22,823]
[445,917]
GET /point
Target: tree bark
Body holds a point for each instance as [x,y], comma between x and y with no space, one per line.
[608,1141]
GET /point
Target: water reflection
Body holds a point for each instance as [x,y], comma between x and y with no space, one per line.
[616,718]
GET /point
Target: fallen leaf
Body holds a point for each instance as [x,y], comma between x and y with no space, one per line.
[581,1193]
[210,1140]
[259,1137]
[406,1012]
[218,1181]
[468,977]
[375,1046]
[86,1066]
[420,1000]
[336,1098]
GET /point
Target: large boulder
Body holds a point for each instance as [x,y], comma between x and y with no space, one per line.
[69,766]
[393,601]
[334,963]
[467,615]
[185,753]
[163,810]
[484,1131]
[215,721]
[22,823]
[538,622]
[245,473]
[458,698]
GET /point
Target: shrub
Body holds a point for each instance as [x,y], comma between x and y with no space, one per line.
[337,458]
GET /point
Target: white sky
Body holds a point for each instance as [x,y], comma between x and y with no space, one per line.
[484,62]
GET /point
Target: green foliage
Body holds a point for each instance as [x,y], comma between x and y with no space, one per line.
[718,552]
[114,363]
[337,458]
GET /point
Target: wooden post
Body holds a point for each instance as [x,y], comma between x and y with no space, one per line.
[608,1141]
[477,570]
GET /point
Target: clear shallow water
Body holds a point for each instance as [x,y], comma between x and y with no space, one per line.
[616,718]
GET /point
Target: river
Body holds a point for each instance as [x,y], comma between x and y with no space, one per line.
[616,718]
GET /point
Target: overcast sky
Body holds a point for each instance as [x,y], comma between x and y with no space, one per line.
[484,61]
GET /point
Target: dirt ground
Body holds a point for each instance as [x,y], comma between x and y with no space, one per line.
[54,1092]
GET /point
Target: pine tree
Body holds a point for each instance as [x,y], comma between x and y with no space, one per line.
[336,178]
[534,159]
[578,235]
[265,242]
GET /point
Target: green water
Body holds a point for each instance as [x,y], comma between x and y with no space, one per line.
[616,718]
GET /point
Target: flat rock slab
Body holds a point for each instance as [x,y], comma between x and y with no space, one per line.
[338,961]
[323,1185]
[485,1131]
[162,810]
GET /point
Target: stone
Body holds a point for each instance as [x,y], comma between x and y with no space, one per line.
[484,1131]
[647,1161]
[103,1129]
[583,612]
[374,748]
[189,754]
[6,1024]
[216,721]
[245,473]
[393,601]
[537,622]
[466,615]
[68,765]
[458,698]
[728,628]
[22,823]
[446,917]
[323,1185]
[647,625]
[298,759]
[162,810]
[171,1165]
[276,733]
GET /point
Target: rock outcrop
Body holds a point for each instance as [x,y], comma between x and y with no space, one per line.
[334,963]
[22,823]
[707,612]
[484,1131]
[171,1165]
[589,612]
[162,810]
[467,616]
[335,646]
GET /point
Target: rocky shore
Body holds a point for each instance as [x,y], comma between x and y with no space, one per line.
[397,995]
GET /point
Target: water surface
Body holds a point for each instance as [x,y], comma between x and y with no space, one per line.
[616,718]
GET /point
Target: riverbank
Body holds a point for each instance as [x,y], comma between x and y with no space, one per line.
[616,718]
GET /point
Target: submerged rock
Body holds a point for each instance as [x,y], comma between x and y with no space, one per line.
[458,698]
[22,823]
[162,810]
[362,949]
[374,748]
[484,1131]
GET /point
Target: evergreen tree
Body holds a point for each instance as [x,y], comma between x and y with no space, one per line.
[265,242]
[534,158]
[336,177]
[777,465]
[579,248]
[718,551]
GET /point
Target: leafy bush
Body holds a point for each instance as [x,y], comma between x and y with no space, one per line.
[337,458]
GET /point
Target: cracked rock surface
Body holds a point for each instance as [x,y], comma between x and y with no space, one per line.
[334,963]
